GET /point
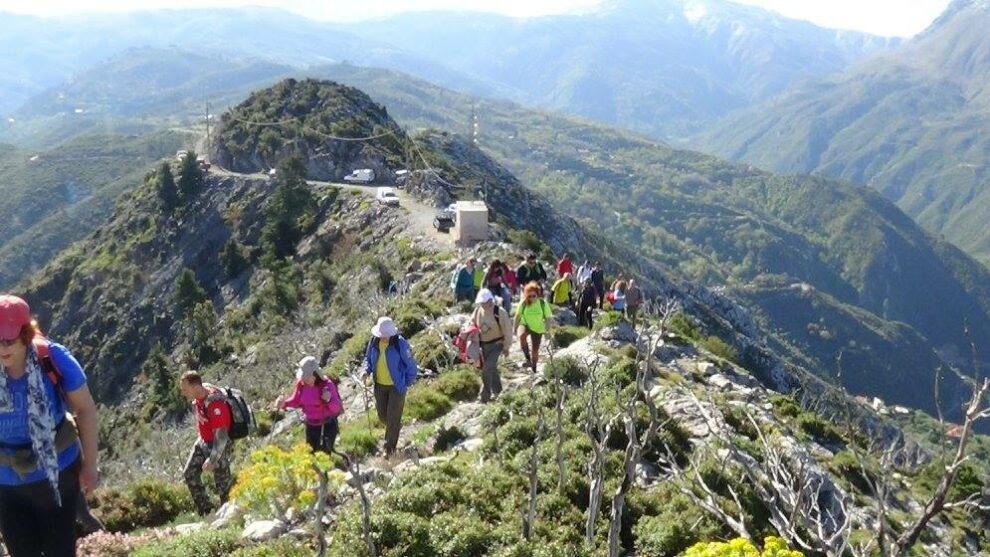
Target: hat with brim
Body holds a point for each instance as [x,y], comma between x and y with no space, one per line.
[384,328]
[14,315]
[308,367]
[484,296]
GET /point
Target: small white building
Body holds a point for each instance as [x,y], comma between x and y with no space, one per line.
[471,224]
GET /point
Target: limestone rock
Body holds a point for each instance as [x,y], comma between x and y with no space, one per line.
[263,530]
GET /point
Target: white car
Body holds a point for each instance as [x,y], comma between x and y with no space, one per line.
[387,196]
[362,176]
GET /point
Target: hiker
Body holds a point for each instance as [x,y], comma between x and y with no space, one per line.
[212,450]
[48,457]
[390,364]
[531,271]
[586,303]
[560,293]
[495,283]
[320,403]
[531,323]
[617,297]
[598,281]
[584,273]
[462,283]
[495,331]
[510,280]
[565,266]
[634,299]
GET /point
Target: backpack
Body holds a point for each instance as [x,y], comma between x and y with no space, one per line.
[241,417]
[43,348]
[464,344]
[453,277]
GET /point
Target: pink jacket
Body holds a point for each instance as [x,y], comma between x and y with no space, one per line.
[315,406]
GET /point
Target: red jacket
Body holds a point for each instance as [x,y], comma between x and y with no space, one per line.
[211,416]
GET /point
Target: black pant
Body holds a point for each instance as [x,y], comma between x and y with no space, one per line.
[584,315]
[33,525]
[322,437]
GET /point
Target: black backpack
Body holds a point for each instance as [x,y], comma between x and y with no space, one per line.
[242,421]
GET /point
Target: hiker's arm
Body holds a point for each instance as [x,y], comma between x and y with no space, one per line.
[221,439]
[293,401]
[411,368]
[84,408]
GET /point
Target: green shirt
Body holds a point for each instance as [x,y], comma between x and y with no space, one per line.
[534,315]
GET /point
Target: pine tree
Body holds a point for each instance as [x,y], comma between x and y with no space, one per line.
[190,178]
[164,382]
[188,293]
[166,188]
[289,212]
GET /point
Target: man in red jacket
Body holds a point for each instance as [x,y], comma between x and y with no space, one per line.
[212,451]
[565,266]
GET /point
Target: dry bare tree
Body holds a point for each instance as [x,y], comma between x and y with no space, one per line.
[354,467]
[321,508]
[598,431]
[529,519]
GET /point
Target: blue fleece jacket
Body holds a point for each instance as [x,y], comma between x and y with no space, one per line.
[401,364]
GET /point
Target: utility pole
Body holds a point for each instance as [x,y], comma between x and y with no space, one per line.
[207,130]
[475,130]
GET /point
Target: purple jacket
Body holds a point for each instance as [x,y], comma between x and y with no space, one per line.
[315,407]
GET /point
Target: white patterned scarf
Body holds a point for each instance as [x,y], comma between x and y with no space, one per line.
[41,425]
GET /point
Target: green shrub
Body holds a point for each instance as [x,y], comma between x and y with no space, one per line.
[846,465]
[461,384]
[433,351]
[145,504]
[720,348]
[607,319]
[568,369]
[447,438]
[530,242]
[204,543]
[356,439]
[562,337]
[785,406]
[820,429]
[425,404]
[282,547]
[456,535]
[276,479]
[685,326]
[621,371]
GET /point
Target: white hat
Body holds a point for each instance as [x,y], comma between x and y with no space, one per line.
[384,328]
[307,366]
[484,296]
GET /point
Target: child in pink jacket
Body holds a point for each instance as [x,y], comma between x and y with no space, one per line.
[320,403]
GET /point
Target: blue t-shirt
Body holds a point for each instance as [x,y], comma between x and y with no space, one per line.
[14,424]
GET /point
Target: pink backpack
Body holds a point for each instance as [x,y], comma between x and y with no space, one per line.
[467,343]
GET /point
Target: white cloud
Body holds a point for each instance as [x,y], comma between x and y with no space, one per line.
[885,17]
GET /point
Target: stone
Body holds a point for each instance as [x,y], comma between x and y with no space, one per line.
[564,317]
[300,533]
[707,368]
[183,529]
[263,530]
[230,513]
[471,444]
[721,382]
[414,266]
[621,332]
[465,417]
[646,474]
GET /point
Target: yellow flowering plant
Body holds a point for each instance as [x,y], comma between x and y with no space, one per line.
[276,480]
[772,547]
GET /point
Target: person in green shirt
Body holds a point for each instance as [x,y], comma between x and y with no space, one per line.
[561,291]
[531,323]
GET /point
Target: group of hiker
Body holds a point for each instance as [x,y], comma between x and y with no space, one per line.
[489,335]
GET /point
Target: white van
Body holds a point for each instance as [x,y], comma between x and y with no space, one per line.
[387,196]
[361,176]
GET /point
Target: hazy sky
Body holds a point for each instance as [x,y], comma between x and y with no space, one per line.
[884,17]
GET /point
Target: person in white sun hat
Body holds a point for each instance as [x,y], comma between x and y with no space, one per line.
[495,330]
[389,362]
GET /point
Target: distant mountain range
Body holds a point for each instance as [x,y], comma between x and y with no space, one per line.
[656,66]
[911,123]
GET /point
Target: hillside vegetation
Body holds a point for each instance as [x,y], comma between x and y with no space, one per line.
[645,441]
[908,124]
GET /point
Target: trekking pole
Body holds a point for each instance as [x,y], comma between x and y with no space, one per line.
[367,403]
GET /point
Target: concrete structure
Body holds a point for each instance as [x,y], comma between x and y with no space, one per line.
[472,222]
